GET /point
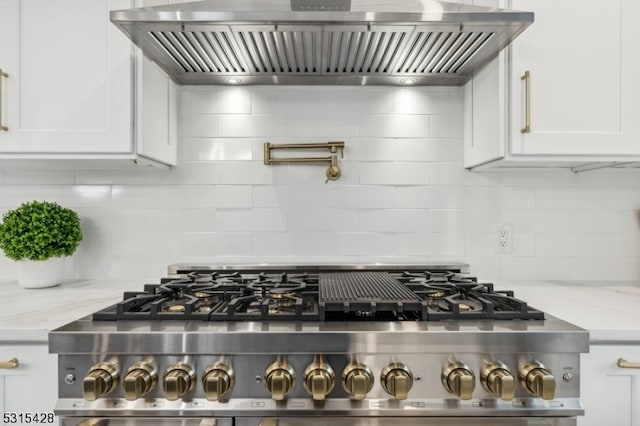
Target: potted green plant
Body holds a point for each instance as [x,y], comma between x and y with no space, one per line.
[38,235]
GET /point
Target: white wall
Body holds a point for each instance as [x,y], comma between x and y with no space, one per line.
[403,196]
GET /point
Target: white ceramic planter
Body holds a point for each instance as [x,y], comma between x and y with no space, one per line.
[41,273]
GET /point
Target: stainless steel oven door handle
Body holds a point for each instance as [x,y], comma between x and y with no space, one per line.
[405,421]
[145,421]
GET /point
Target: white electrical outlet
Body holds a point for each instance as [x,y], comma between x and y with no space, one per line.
[503,238]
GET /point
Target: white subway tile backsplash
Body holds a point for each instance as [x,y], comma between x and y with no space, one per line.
[430,244]
[364,244]
[254,173]
[522,245]
[447,221]
[321,220]
[197,220]
[453,174]
[570,245]
[621,199]
[394,174]
[163,220]
[110,177]
[529,221]
[314,243]
[272,244]
[394,126]
[338,125]
[78,195]
[535,268]
[8,269]
[38,176]
[316,101]
[269,220]
[403,197]
[11,196]
[425,197]
[621,245]
[141,196]
[480,244]
[146,243]
[563,198]
[605,268]
[370,150]
[199,125]
[503,198]
[186,174]
[389,220]
[216,100]
[342,197]
[431,150]
[270,196]
[233,220]
[259,220]
[210,149]
[230,197]
[216,243]
[428,100]
[248,125]
[446,126]
[615,221]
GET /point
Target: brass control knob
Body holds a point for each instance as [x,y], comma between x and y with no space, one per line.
[538,380]
[178,380]
[140,379]
[319,378]
[217,381]
[101,379]
[396,380]
[458,379]
[497,378]
[357,380]
[279,379]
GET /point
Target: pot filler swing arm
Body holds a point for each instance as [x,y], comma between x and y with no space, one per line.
[333,170]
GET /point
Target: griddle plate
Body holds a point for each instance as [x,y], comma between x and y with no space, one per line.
[367,293]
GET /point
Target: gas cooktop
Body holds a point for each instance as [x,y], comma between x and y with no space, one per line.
[394,293]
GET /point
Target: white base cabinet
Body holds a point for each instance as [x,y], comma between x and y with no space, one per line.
[32,388]
[611,395]
[580,98]
[77,89]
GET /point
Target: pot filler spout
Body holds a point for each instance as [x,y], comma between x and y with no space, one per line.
[321,42]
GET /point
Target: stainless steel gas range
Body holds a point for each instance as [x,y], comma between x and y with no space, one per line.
[341,345]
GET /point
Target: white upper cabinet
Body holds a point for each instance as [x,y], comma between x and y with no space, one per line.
[580,99]
[72,83]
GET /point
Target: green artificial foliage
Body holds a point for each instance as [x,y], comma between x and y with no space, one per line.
[38,230]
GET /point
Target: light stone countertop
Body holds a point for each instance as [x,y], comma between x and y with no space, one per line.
[609,310]
[27,315]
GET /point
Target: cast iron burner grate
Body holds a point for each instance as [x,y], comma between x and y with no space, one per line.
[414,295]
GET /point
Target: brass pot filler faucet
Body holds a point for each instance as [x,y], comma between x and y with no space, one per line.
[333,170]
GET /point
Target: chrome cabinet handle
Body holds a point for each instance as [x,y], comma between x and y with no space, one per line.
[623,363]
[12,363]
[527,102]
[2,74]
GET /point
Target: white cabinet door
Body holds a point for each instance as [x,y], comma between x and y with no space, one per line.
[30,389]
[584,64]
[611,395]
[70,80]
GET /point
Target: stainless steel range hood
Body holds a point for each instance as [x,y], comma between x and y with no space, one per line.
[337,42]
